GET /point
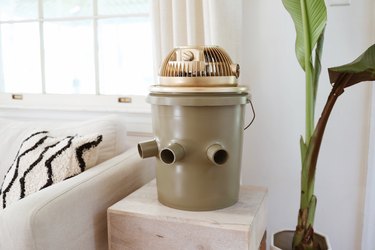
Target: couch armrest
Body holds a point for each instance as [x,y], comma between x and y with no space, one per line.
[72,214]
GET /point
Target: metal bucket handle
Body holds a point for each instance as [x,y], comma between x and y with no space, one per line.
[253,110]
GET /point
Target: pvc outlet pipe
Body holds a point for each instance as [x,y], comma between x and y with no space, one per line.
[148,149]
[172,153]
[217,154]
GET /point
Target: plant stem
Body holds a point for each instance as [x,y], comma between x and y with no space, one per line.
[307,201]
[308,75]
[309,106]
[304,230]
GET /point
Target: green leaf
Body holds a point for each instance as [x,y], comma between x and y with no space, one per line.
[309,17]
[311,211]
[303,148]
[317,65]
[361,69]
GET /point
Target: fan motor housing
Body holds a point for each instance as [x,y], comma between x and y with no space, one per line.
[198,123]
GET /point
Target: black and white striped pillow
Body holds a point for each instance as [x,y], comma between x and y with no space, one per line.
[43,160]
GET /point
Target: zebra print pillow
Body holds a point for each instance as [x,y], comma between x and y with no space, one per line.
[43,160]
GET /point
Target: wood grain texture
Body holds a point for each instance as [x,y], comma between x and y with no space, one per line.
[140,222]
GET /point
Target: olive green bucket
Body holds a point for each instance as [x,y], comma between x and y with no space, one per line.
[204,172]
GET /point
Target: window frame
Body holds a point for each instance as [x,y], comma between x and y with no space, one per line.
[77,102]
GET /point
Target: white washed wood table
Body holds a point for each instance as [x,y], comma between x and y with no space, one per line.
[139,221]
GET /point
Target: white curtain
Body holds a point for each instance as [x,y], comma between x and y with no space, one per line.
[196,22]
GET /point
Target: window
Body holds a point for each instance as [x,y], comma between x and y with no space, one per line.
[100,47]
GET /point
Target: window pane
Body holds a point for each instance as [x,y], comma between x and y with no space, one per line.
[125,56]
[20,58]
[69,59]
[18,10]
[123,7]
[67,8]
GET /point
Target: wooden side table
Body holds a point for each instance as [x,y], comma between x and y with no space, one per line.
[139,221]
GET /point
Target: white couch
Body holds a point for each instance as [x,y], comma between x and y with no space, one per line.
[71,214]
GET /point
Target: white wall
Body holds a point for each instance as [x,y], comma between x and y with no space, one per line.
[271,151]
[368,239]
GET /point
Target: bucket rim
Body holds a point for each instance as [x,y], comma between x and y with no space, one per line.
[196,90]
[198,100]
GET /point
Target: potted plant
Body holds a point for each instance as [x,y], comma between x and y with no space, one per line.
[310,18]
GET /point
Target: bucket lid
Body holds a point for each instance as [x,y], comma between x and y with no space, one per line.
[204,69]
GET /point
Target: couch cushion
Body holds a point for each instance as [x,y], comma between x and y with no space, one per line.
[43,160]
[111,127]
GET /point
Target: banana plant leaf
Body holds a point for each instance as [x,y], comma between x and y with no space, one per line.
[361,69]
[310,18]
